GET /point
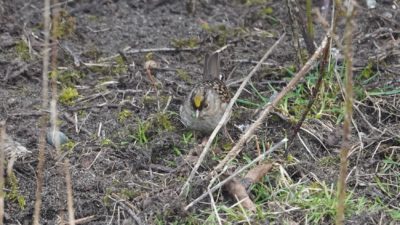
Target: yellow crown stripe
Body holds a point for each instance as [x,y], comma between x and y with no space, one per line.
[198,99]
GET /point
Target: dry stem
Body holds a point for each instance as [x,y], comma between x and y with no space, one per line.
[348,115]
[54,115]
[45,100]
[2,150]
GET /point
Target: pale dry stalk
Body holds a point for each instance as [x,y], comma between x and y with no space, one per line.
[45,100]
[346,145]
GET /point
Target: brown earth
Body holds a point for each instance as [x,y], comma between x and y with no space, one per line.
[148,173]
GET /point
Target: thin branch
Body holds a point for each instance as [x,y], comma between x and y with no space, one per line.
[214,207]
[129,50]
[226,116]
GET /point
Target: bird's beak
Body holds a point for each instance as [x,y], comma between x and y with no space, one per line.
[197,113]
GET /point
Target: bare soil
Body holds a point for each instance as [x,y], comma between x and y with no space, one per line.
[111,161]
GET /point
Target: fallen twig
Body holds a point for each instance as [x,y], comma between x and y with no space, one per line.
[134,51]
[83,220]
[129,50]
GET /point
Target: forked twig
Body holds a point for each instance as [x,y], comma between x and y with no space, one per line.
[133,51]
[224,118]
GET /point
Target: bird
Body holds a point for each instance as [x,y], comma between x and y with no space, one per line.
[13,149]
[204,106]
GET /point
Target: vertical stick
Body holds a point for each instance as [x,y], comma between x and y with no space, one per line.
[64,167]
[43,120]
[346,145]
[2,150]
[310,26]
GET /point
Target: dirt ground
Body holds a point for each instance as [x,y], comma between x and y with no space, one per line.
[128,143]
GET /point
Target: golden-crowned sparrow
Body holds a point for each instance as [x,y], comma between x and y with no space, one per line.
[205,104]
[13,149]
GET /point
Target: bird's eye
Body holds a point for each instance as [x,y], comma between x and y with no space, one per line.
[205,105]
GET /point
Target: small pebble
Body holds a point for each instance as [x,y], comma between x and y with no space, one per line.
[51,137]
[371,4]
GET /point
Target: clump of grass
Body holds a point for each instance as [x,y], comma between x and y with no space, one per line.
[222,33]
[266,11]
[163,122]
[93,53]
[14,194]
[22,50]
[186,43]
[184,75]
[117,67]
[106,142]
[388,182]
[123,115]
[69,146]
[68,78]
[187,138]
[142,131]
[177,151]
[367,72]
[120,66]
[260,99]
[68,95]
[154,101]
[395,214]
[316,200]
[127,194]
[66,25]
[328,103]
[106,200]
[153,125]
[329,161]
